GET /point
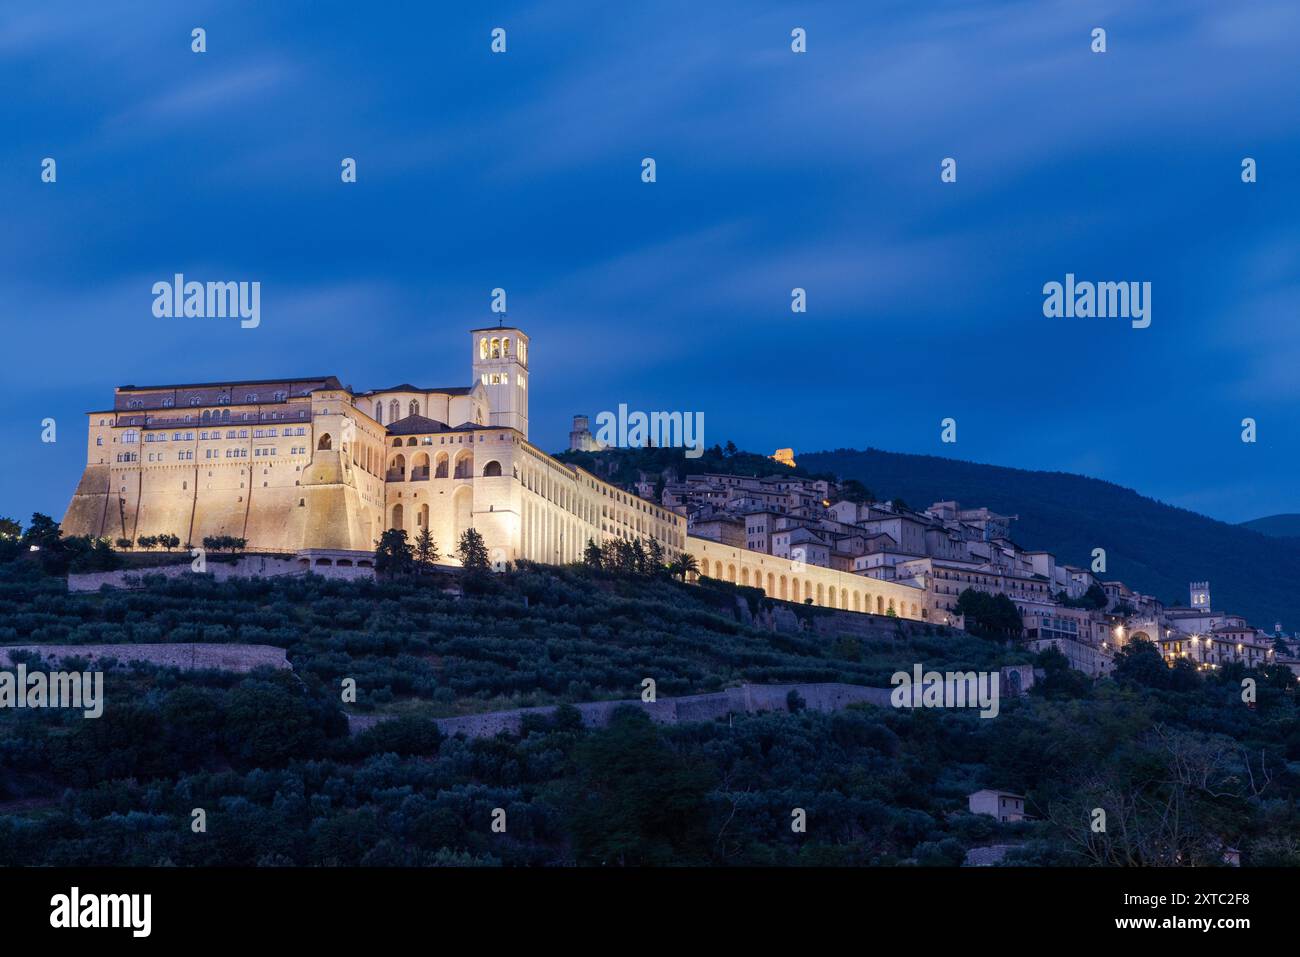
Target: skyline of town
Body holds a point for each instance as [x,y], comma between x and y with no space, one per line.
[944,550]
[317,474]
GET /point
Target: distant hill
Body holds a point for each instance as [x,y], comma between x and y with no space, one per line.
[626,466]
[1277,526]
[1150,546]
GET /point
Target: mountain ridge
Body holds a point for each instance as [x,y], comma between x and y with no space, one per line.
[1282,525]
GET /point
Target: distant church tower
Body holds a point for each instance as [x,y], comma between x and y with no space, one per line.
[500,362]
[1200,592]
[580,437]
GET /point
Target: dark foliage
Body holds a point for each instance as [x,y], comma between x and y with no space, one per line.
[268,757]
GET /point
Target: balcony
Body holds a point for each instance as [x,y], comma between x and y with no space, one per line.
[395,475]
[419,475]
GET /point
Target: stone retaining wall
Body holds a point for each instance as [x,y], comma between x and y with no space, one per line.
[188,656]
[245,566]
[699,707]
[786,617]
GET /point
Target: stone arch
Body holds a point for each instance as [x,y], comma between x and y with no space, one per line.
[464,464]
[771,585]
[744,575]
[492,469]
[397,517]
[422,516]
[731,573]
[419,466]
[880,605]
[326,443]
[440,465]
[785,594]
[397,468]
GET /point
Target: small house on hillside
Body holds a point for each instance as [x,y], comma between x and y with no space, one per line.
[1002,805]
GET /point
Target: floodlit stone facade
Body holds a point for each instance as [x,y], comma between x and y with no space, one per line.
[799,581]
[297,464]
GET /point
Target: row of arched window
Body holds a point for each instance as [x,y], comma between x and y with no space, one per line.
[441,465]
[498,347]
[362,455]
[623,522]
[777,586]
[394,410]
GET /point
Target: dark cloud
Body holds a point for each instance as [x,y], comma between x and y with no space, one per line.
[775,171]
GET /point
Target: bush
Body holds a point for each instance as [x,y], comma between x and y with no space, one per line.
[405,735]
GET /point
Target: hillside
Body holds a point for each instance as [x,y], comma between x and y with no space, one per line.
[537,636]
[1285,526]
[625,466]
[268,755]
[1150,546]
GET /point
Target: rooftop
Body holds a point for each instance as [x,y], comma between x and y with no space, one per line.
[407,387]
[318,381]
[419,425]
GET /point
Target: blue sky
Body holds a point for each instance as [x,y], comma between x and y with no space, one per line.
[775,170]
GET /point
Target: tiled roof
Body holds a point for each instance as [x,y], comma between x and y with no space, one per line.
[326,381]
[419,425]
[407,387]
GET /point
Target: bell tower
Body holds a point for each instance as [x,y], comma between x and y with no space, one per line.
[499,358]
